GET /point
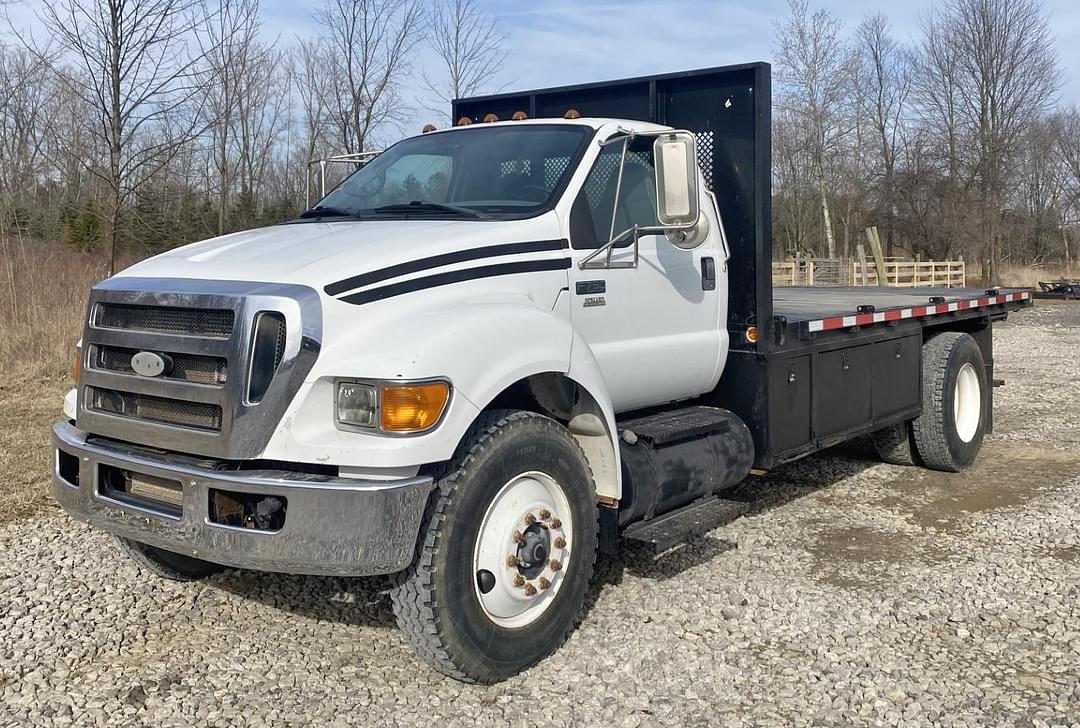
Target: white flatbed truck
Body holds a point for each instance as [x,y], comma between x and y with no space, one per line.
[495,350]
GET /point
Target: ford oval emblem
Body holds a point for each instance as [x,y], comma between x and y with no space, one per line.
[148,364]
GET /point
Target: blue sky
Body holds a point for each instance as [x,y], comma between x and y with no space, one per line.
[554,42]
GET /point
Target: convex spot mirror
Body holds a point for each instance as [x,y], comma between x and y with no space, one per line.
[676,180]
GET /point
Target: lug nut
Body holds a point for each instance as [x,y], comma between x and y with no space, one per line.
[544,583]
[555,564]
[530,519]
[530,590]
[517,537]
[512,561]
[545,514]
[556,523]
[560,543]
[519,580]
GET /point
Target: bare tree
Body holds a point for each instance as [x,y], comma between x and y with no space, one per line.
[262,111]
[1008,77]
[815,75]
[309,79]
[1067,138]
[229,44]
[367,54]
[130,61]
[885,82]
[469,46]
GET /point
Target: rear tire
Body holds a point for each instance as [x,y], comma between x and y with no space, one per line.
[949,432]
[484,625]
[166,564]
[893,444]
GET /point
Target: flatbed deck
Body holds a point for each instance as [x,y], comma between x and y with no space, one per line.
[825,308]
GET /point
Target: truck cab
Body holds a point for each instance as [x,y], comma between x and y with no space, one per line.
[480,359]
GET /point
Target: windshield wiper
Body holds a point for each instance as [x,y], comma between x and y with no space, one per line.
[420,206]
[321,211]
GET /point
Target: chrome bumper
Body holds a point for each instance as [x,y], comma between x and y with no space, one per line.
[333,526]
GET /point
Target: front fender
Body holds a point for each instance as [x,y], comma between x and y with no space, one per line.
[481,347]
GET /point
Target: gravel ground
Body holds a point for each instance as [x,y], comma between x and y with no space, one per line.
[853,593]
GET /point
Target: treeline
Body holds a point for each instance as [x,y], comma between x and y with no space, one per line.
[141,125]
[145,124]
[953,144]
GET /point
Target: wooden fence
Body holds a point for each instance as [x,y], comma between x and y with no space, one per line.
[805,271]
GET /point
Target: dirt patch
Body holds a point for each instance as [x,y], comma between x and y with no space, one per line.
[1067,553]
[1002,477]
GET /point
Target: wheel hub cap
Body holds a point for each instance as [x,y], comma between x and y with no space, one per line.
[525,539]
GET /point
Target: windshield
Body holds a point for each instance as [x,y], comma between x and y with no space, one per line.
[500,172]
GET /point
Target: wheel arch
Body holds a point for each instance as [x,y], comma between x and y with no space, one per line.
[583,409]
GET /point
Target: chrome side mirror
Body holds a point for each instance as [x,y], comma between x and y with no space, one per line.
[676,180]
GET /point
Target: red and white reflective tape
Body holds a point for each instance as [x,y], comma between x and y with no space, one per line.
[896,314]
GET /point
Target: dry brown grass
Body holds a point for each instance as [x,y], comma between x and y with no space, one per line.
[1028,276]
[42,304]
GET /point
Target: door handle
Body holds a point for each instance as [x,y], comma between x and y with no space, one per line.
[708,274]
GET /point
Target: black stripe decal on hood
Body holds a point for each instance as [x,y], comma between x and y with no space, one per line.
[435,261]
[457,276]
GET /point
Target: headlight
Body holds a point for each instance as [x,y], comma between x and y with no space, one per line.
[356,404]
[391,407]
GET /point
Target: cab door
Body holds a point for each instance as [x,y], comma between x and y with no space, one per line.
[655,329]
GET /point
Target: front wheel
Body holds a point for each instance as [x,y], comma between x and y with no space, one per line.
[506,551]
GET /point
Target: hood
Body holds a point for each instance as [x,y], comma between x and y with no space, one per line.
[318,253]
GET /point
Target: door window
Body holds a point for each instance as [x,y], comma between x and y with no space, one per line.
[590,219]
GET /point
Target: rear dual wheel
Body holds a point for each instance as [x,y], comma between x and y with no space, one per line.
[955,407]
[506,551]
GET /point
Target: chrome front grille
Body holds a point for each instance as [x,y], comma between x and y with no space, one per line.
[176,412]
[205,332]
[209,323]
[196,368]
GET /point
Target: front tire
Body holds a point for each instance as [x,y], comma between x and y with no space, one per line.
[506,551]
[949,432]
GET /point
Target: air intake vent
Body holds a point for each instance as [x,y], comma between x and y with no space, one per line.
[196,415]
[267,351]
[210,323]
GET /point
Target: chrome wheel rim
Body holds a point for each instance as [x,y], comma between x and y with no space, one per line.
[967,403]
[522,550]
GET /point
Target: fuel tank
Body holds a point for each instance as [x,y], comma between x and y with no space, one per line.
[675,457]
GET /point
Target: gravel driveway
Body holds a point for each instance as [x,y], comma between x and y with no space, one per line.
[853,593]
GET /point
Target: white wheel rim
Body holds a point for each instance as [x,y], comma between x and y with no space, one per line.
[524,590]
[967,403]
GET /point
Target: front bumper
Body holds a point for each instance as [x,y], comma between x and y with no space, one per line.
[333,526]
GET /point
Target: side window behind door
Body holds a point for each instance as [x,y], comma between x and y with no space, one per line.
[590,218]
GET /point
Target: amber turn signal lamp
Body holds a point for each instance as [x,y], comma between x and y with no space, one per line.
[412,407]
[751,334]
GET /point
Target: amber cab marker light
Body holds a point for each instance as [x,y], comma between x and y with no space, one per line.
[572,114]
[488,118]
[464,121]
[519,116]
[428,128]
[751,334]
[412,407]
